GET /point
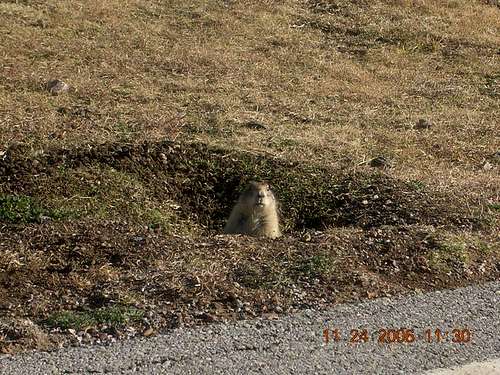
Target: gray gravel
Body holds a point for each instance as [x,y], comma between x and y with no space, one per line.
[294,344]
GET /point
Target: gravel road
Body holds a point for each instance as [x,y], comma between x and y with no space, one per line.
[295,344]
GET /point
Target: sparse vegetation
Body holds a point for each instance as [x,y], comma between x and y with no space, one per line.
[495,206]
[112,316]
[456,252]
[21,209]
[448,255]
[115,192]
[316,266]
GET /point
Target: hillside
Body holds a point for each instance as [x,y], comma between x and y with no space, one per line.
[114,193]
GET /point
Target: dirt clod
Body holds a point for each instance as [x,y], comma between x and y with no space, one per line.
[56,86]
[423,124]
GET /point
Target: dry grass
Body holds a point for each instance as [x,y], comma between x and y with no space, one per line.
[330,80]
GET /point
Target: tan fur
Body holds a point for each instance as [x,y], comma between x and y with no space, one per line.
[255,213]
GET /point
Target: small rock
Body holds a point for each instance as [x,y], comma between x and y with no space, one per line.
[379,162]
[148,332]
[270,316]
[423,124]
[371,295]
[139,240]
[39,23]
[86,338]
[306,237]
[495,158]
[256,125]
[103,337]
[56,86]
[487,166]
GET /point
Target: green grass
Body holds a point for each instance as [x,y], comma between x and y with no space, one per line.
[102,192]
[448,254]
[417,185]
[319,265]
[155,219]
[113,316]
[22,209]
[494,206]
[283,272]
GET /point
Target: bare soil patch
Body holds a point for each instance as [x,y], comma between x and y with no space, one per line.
[84,277]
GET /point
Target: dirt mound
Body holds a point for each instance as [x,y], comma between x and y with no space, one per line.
[17,333]
[104,274]
[99,281]
[205,181]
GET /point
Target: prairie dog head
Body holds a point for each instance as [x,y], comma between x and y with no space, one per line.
[256,212]
[258,196]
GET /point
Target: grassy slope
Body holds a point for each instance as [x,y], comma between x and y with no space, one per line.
[330,79]
[334,83]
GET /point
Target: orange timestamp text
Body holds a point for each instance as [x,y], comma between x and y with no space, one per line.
[398,335]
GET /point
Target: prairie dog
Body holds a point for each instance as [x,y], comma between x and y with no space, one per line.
[255,213]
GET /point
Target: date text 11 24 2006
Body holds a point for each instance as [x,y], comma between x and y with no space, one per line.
[398,335]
